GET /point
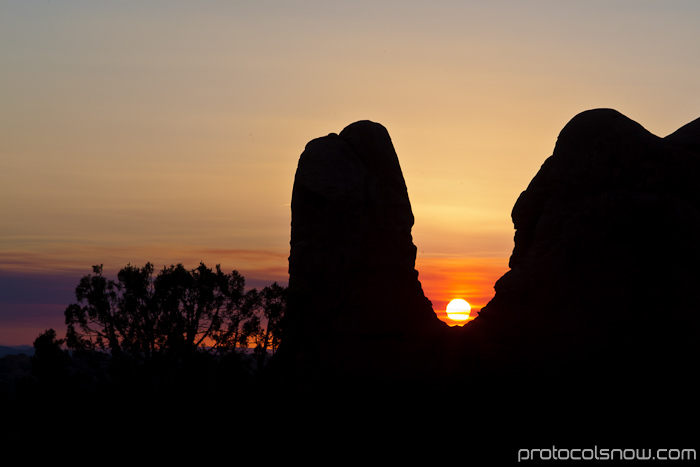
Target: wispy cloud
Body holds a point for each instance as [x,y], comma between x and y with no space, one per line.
[71,258]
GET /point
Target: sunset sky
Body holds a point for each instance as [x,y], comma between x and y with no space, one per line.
[169,131]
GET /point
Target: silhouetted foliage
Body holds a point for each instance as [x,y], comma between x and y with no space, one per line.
[50,361]
[176,338]
[177,312]
[271,303]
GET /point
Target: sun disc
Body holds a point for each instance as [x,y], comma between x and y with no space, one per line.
[458,310]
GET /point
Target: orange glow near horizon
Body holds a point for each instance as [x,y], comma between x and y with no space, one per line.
[473,279]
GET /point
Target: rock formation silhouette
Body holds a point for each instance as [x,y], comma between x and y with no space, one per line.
[355,304]
[604,269]
[600,305]
[598,318]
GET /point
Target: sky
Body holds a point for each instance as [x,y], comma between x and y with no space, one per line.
[170,131]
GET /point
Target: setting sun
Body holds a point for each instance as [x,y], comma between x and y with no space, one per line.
[458,310]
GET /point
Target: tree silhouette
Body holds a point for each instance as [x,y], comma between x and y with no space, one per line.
[272,303]
[176,313]
[50,360]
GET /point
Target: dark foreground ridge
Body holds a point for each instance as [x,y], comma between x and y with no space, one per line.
[598,313]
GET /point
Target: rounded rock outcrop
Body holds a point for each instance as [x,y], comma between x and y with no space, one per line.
[356,307]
